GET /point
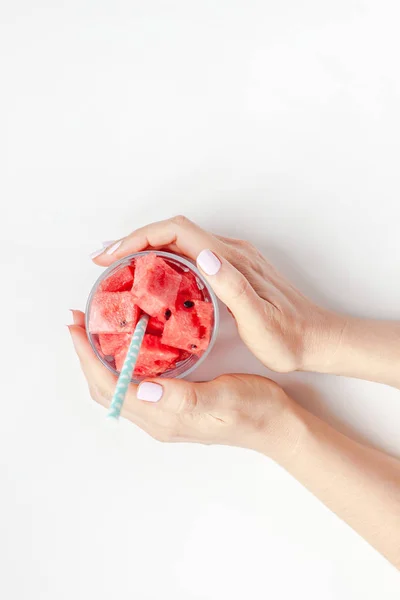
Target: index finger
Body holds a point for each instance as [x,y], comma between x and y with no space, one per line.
[178,234]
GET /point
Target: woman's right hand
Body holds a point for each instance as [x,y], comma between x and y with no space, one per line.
[283,328]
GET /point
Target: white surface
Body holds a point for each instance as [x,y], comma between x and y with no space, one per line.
[273,121]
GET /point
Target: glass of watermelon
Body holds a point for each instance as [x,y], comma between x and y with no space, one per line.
[182,307]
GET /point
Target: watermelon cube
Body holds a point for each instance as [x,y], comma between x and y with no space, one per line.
[189,327]
[155,326]
[155,285]
[113,312]
[205,316]
[154,357]
[110,343]
[188,290]
[120,281]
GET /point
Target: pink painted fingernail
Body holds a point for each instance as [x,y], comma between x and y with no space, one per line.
[208,262]
[103,249]
[114,247]
[150,392]
[96,253]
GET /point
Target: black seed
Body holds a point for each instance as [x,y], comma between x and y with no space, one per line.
[167,314]
[188,304]
[123,324]
[193,346]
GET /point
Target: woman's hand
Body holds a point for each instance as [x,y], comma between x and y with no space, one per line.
[237,410]
[283,328]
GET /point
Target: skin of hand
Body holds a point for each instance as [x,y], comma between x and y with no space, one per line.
[360,484]
[285,330]
[279,325]
[235,410]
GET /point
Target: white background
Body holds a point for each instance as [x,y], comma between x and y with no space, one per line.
[273,121]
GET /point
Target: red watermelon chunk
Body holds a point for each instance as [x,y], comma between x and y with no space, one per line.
[113,312]
[189,328]
[121,281]
[188,290]
[154,357]
[155,285]
[182,331]
[155,326]
[205,315]
[110,343]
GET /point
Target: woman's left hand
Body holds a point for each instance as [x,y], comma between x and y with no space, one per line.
[237,410]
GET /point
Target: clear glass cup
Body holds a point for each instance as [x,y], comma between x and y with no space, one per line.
[183,368]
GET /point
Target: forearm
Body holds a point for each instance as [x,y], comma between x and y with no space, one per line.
[360,484]
[363,348]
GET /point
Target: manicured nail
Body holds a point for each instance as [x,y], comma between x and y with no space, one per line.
[208,262]
[114,247]
[104,246]
[96,253]
[150,392]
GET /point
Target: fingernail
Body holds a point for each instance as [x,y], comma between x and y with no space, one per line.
[208,262]
[104,246]
[114,247]
[150,392]
[96,253]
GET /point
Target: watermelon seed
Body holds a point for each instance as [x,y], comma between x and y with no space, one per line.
[193,346]
[123,323]
[167,314]
[188,304]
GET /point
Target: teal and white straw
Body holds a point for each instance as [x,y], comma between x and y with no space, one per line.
[125,375]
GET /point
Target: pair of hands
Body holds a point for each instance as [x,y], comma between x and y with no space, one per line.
[282,328]
[287,332]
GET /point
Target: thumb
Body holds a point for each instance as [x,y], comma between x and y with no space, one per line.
[232,288]
[180,397]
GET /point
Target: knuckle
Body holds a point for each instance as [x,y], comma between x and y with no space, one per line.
[245,248]
[241,288]
[180,220]
[231,387]
[188,400]
[226,382]
[241,260]
[247,245]
[258,266]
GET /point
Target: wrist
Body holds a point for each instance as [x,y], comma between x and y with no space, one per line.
[324,342]
[282,438]
[353,347]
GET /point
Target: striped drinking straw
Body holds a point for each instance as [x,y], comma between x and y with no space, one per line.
[125,375]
